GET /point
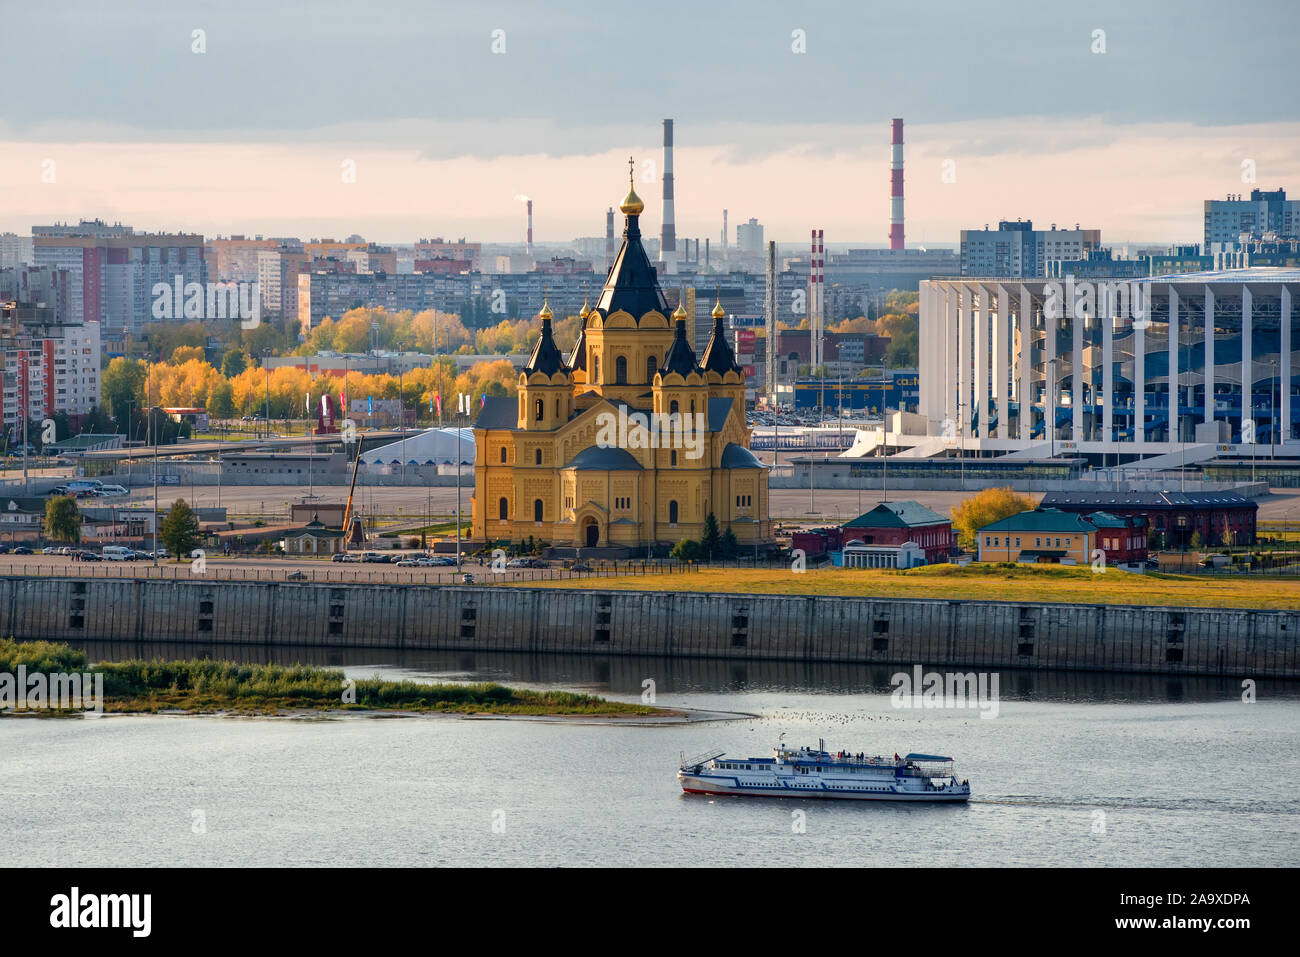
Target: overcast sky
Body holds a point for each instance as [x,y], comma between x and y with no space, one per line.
[254,134]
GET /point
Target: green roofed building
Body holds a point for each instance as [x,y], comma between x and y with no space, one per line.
[897,523]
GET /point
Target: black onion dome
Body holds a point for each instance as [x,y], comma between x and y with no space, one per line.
[718,355]
[546,356]
[680,357]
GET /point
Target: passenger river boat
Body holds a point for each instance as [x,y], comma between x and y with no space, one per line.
[818,773]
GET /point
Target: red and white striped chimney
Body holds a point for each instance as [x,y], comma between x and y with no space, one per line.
[530,227]
[896,188]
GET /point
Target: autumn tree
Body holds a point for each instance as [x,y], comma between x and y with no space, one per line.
[985,507]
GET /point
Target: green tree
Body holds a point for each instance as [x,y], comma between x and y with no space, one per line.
[233,363]
[179,530]
[730,546]
[712,538]
[62,519]
[122,386]
[221,401]
[687,550]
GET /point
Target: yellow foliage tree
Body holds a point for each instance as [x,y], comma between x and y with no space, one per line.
[985,507]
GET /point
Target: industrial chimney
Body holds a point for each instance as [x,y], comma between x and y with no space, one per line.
[668,234]
[530,227]
[609,239]
[896,188]
[724,235]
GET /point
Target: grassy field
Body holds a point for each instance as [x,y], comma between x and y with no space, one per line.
[211,686]
[1029,583]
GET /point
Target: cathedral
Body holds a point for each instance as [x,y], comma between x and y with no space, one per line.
[631,441]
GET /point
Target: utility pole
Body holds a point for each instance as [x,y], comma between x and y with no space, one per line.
[154,426]
[462,401]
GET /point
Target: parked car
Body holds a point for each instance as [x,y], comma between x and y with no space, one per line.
[579,567]
[22,550]
[468,579]
[343,557]
[86,556]
[409,563]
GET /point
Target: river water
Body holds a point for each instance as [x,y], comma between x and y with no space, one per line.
[1075,770]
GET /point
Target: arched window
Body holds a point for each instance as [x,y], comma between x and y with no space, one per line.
[672,512]
[595,369]
[537,457]
[503,509]
[620,370]
[672,407]
[503,454]
[540,411]
[672,459]
[651,367]
[537,510]
[557,408]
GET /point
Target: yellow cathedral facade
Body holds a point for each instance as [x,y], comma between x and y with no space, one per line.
[630,441]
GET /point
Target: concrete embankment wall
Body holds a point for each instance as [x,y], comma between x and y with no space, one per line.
[932,632]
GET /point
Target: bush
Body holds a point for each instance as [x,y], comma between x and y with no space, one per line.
[687,550]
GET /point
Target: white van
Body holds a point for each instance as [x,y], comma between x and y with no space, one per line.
[112,491]
[117,553]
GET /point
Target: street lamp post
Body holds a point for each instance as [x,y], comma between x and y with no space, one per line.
[266,354]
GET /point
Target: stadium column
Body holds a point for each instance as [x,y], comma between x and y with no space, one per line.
[1284,383]
[1106,316]
[1208,371]
[964,363]
[1076,373]
[951,355]
[1051,374]
[982,358]
[1247,371]
[1001,362]
[1025,323]
[1140,321]
[1174,435]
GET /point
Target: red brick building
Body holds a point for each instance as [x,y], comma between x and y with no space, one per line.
[1218,518]
[893,523]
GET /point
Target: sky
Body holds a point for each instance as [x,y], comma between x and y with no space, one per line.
[400,120]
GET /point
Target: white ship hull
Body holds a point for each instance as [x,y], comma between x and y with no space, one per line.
[707,784]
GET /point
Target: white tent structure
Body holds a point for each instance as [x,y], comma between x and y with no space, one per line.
[436,446]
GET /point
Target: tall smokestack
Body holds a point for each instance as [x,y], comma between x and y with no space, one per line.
[530,227]
[724,234]
[896,188]
[816,291]
[609,239]
[668,234]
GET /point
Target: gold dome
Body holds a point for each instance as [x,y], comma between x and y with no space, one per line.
[679,312]
[546,310]
[586,309]
[631,205]
[718,311]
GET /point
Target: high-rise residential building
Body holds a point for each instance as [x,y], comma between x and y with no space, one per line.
[49,367]
[1016,250]
[112,277]
[235,259]
[440,248]
[277,277]
[45,286]
[1227,220]
[15,250]
[749,236]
